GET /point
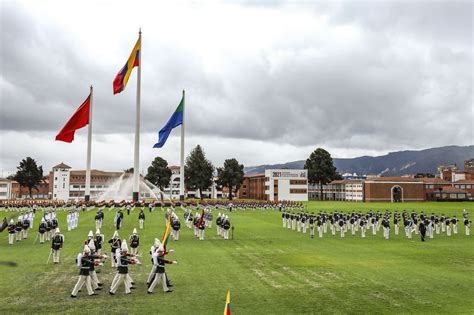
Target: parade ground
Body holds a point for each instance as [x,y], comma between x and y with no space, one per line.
[267,268]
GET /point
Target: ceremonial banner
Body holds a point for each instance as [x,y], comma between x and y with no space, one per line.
[133,61]
[78,120]
[175,120]
[166,236]
[227,304]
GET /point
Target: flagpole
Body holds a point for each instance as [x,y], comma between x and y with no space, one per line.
[87,194]
[136,170]
[181,170]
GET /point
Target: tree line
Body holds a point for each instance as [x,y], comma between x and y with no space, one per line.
[198,170]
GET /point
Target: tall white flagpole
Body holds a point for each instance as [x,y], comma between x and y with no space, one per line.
[87,194]
[181,170]
[136,169]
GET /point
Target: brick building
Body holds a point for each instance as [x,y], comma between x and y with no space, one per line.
[394,189]
[253,187]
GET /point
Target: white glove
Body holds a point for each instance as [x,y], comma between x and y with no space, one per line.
[171,251]
[101,264]
[175,262]
[105,256]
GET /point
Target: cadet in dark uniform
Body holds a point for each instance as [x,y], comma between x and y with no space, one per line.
[175,226]
[134,242]
[141,218]
[56,245]
[84,263]
[159,262]
[422,229]
[115,243]
[11,232]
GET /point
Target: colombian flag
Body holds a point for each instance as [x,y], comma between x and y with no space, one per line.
[227,304]
[133,61]
[164,241]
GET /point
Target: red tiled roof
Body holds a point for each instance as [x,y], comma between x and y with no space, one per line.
[395,179]
[452,190]
[464,181]
[434,180]
[255,175]
[346,181]
[61,165]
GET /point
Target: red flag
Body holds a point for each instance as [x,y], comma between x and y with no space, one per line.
[77,121]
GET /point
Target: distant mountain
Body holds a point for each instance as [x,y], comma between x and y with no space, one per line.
[393,164]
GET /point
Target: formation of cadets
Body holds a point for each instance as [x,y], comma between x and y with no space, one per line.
[124,252]
[427,226]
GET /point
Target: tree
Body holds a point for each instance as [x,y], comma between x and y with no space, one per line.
[231,176]
[159,174]
[29,174]
[320,169]
[198,171]
[128,170]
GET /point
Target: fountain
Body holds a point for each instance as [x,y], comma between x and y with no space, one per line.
[122,189]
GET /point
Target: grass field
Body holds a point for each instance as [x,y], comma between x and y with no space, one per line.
[268,269]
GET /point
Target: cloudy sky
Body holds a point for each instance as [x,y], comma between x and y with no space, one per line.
[266,82]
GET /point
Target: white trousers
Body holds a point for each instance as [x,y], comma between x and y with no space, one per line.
[133,250]
[468,230]
[226,234]
[119,277]
[80,283]
[158,277]
[140,222]
[41,237]
[55,256]
[11,237]
[94,279]
[152,273]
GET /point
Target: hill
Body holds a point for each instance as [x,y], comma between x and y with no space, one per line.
[392,164]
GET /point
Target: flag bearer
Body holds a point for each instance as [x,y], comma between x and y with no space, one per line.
[159,262]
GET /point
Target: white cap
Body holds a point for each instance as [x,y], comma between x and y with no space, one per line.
[115,234]
[90,234]
[11,221]
[87,249]
[91,245]
[219,214]
[97,232]
[135,231]
[57,231]
[124,246]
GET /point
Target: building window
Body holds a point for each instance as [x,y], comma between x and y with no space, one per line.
[298,191]
[298,182]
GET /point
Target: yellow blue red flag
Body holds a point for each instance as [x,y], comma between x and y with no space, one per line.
[227,304]
[133,61]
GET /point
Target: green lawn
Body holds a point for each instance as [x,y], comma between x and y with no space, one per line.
[269,270]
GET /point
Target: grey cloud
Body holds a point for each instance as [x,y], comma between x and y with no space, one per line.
[410,64]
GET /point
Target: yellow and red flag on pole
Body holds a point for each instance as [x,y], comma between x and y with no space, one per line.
[227,304]
[166,236]
[133,61]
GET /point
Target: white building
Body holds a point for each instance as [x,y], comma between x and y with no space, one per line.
[290,185]
[5,189]
[173,190]
[60,182]
[354,190]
